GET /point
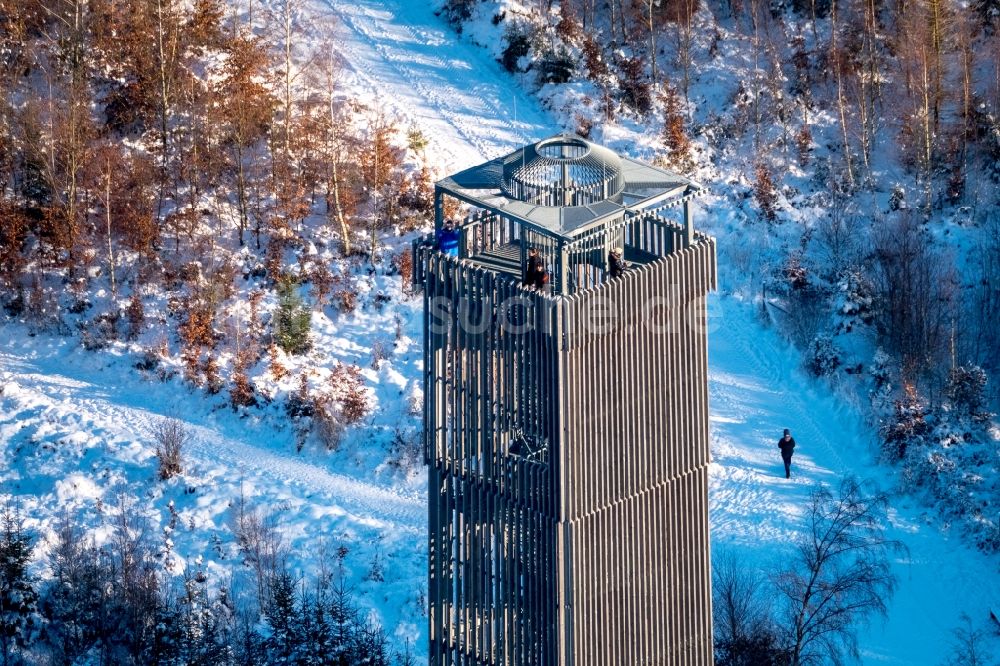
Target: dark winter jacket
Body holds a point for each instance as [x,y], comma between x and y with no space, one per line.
[535,274]
[786,447]
[616,265]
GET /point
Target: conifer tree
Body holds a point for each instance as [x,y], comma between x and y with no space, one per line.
[293,319]
[18,598]
[284,619]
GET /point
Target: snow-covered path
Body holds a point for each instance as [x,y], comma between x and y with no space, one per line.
[75,426]
[126,410]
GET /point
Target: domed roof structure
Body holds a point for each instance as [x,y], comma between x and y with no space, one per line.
[565,185]
[563,171]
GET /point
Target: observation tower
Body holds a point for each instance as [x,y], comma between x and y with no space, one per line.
[566,427]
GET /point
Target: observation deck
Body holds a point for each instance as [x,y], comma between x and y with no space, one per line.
[573,201]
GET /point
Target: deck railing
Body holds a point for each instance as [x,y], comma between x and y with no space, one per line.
[576,265]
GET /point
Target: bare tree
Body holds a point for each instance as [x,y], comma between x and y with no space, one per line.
[919,39]
[246,115]
[837,234]
[685,11]
[168,49]
[261,544]
[968,647]
[841,574]
[65,126]
[840,64]
[915,294]
[649,7]
[380,167]
[983,343]
[744,627]
[337,144]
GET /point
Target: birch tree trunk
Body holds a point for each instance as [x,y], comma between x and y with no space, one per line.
[835,58]
[107,219]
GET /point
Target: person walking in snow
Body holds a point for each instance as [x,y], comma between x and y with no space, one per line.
[787,445]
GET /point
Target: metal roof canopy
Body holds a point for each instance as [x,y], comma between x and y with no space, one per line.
[564,185]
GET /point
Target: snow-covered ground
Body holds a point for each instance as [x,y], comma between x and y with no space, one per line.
[400,57]
[74,423]
[756,389]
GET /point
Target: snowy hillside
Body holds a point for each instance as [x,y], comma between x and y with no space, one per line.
[78,426]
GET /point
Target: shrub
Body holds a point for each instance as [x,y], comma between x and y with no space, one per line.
[803,144]
[897,199]
[857,295]
[300,403]
[213,382]
[403,263]
[674,136]
[405,452]
[14,225]
[323,282]
[349,392]
[14,305]
[795,273]
[765,193]
[457,11]
[171,438]
[347,300]
[328,428]
[101,332]
[381,350]
[135,314]
[906,427]
[518,46]
[556,66]
[635,88]
[966,390]
[198,329]
[824,357]
[241,393]
[593,58]
[191,358]
[275,366]
[419,194]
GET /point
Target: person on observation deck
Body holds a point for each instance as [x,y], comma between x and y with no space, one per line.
[617,263]
[535,275]
[448,238]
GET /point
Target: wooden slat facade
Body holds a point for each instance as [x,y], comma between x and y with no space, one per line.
[568,462]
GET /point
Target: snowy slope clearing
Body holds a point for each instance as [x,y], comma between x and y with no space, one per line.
[403,58]
[756,389]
